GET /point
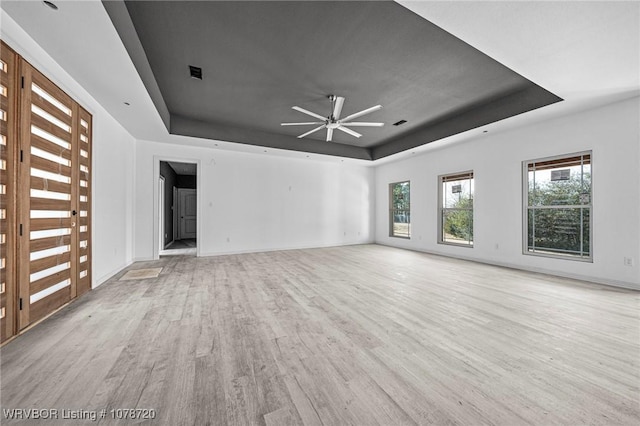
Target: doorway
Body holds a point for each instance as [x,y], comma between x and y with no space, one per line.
[178,209]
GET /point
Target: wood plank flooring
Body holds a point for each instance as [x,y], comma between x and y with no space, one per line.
[361,335]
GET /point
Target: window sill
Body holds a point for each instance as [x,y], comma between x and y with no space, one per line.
[446,243]
[558,256]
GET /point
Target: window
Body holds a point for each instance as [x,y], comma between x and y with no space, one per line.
[455,221]
[399,210]
[557,214]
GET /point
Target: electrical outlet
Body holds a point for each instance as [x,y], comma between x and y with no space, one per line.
[628,261]
[228,239]
[497,246]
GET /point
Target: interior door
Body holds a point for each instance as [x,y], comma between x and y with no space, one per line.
[188,213]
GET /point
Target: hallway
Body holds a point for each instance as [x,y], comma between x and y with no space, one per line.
[188,246]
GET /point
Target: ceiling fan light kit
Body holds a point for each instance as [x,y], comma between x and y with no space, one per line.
[333,121]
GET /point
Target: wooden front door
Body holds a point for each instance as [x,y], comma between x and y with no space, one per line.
[8,143]
[49,228]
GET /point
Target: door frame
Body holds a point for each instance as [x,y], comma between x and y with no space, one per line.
[156,200]
[174,216]
[161,209]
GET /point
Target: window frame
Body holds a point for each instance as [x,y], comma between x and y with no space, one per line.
[441,207]
[392,210]
[525,208]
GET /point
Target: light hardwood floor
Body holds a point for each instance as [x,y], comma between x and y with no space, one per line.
[358,335]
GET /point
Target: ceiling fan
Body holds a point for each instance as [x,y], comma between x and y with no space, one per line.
[333,121]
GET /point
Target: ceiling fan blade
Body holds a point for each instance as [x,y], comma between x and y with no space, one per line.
[329,134]
[304,111]
[361,113]
[362,124]
[311,131]
[349,131]
[302,124]
[337,108]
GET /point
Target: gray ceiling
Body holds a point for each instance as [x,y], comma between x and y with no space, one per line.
[188,169]
[260,58]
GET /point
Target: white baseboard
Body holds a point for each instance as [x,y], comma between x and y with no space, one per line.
[143,259]
[264,250]
[111,274]
[596,280]
[587,278]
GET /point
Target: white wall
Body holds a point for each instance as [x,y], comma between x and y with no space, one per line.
[252,202]
[113,161]
[611,132]
[113,165]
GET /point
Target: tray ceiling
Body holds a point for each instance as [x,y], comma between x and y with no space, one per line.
[260,58]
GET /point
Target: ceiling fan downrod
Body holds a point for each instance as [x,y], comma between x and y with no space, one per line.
[332,99]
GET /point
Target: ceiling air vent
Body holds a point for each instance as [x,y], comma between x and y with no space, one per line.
[400,122]
[196,72]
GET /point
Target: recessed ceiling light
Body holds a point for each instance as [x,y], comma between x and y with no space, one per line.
[51,5]
[127,103]
[485,131]
[399,123]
